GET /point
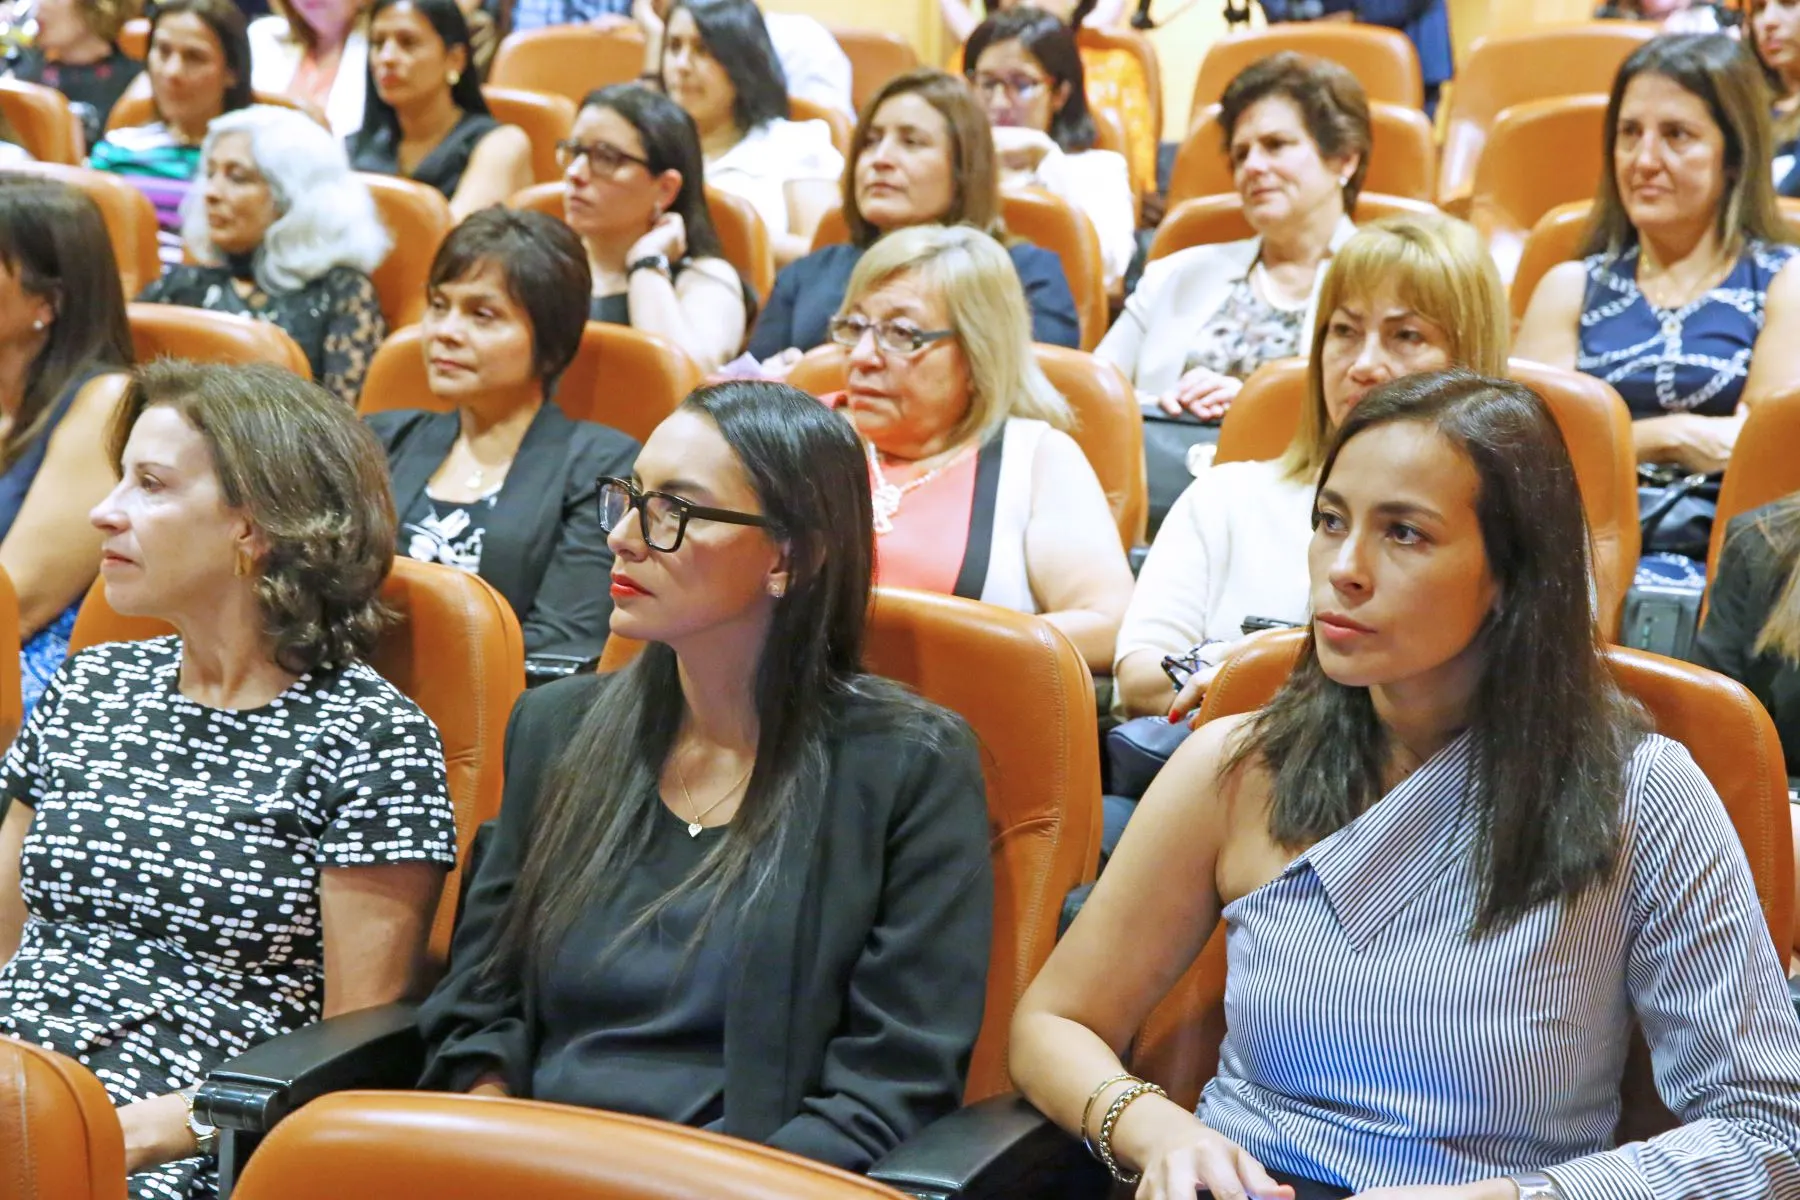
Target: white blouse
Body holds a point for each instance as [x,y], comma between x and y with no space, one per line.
[1098,182]
[770,157]
[275,55]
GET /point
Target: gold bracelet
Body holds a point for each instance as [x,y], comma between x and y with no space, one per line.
[1112,1118]
[1088,1109]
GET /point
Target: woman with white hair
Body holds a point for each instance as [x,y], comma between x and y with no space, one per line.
[978,491]
[282,231]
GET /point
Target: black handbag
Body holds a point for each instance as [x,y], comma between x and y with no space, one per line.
[1676,509]
[1137,749]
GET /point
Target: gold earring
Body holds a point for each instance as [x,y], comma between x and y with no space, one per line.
[241,567]
[778,590]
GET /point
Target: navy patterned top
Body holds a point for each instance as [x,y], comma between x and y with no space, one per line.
[171,873]
[1668,360]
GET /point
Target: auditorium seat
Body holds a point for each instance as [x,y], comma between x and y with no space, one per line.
[1263,418]
[41,117]
[136,107]
[1402,157]
[1139,46]
[742,236]
[568,60]
[1763,467]
[480,1147]
[1206,220]
[130,219]
[419,218]
[12,705]
[60,1137]
[1382,59]
[876,56]
[546,119]
[1514,186]
[134,38]
[1109,425]
[176,331]
[842,129]
[620,377]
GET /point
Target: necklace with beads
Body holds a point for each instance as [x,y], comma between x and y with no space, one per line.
[886,495]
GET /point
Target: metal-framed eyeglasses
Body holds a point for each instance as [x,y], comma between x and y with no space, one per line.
[893,336]
[662,518]
[1015,87]
[602,157]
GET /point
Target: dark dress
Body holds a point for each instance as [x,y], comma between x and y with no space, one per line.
[172,869]
[808,293]
[442,168]
[336,319]
[853,987]
[1749,578]
[92,88]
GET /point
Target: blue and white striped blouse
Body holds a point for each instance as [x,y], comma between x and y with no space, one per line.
[1372,1043]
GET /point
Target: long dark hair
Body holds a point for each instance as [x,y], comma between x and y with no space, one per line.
[380,124]
[1053,45]
[53,239]
[226,20]
[736,35]
[671,143]
[1551,729]
[599,805]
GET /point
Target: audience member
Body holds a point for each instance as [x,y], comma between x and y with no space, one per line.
[923,154]
[424,117]
[636,194]
[978,491]
[738,884]
[199,68]
[539,14]
[503,484]
[317,55]
[77,53]
[1686,302]
[1775,39]
[64,350]
[1426,24]
[717,63]
[1202,319]
[1458,869]
[1674,16]
[259,837]
[284,232]
[1026,70]
[815,66]
[962,17]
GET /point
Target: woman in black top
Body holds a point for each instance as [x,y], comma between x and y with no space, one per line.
[77,53]
[503,485]
[740,883]
[425,118]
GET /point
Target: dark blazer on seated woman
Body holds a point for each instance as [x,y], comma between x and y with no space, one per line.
[541,544]
[834,1019]
[1761,550]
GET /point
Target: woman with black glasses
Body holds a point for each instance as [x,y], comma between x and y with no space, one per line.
[739,884]
[504,484]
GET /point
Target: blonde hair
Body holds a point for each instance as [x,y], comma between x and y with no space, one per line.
[974,278]
[1439,268]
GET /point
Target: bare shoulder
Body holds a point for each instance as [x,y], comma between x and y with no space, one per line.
[97,402]
[1562,285]
[507,140]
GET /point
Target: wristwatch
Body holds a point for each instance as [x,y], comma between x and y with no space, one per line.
[1536,1186]
[206,1137]
[650,262]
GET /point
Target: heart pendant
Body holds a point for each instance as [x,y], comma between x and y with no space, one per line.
[693,829]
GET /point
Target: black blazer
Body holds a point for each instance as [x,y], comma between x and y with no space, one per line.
[544,548]
[1747,583]
[860,977]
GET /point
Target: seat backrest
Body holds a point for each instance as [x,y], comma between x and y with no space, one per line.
[620,377]
[801,109]
[568,60]
[1513,190]
[1383,60]
[1763,466]
[41,117]
[134,38]
[1208,220]
[136,107]
[876,56]
[455,649]
[1730,736]
[130,219]
[1109,425]
[1265,414]
[419,218]
[475,1147]
[60,1137]
[546,119]
[12,705]
[1140,47]
[1507,69]
[175,331]
[1402,156]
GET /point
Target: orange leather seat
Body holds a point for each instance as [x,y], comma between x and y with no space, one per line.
[742,235]
[419,218]
[1207,220]
[12,705]
[1109,425]
[1382,59]
[60,1137]
[876,56]
[175,331]
[134,38]
[1263,418]
[1140,47]
[1402,158]
[478,1147]
[1501,71]
[568,60]
[42,119]
[456,650]
[1730,736]
[1763,466]
[1513,189]
[620,377]
[130,219]
[841,128]
[136,107]
[545,118]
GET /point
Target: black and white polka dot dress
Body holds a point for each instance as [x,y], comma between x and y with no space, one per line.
[171,872]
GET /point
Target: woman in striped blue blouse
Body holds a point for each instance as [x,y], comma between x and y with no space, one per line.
[1455,868]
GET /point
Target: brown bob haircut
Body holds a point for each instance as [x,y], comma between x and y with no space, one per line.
[976,199]
[1333,107]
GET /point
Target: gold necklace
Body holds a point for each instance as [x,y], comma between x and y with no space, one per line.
[694,826]
[887,496]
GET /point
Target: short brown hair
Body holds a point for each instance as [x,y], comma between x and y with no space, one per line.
[544,267]
[977,181]
[312,479]
[1332,105]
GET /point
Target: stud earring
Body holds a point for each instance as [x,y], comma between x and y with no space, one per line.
[777,590]
[453,78]
[38,325]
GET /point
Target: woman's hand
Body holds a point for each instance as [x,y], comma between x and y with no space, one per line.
[1192,693]
[156,1132]
[668,237]
[1019,150]
[1206,394]
[1181,1166]
[1706,442]
[777,366]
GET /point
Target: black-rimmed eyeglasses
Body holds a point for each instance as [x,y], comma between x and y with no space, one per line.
[602,158]
[662,518]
